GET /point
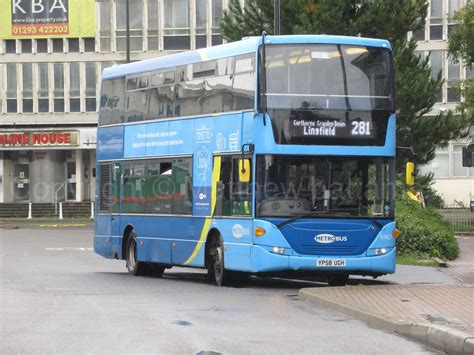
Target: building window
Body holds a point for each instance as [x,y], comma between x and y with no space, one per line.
[436,20]
[10,46]
[73,45]
[453,94]
[27,92]
[89,44]
[440,164]
[436,32]
[58,87]
[436,10]
[453,78]
[41,46]
[105,9]
[470,71]
[135,18]
[26,46]
[458,169]
[11,93]
[448,163]
[43,87]
[58,45]
[216,21]
[437,66]
[74,87]
[176,26]
[152,25]
[201,24]
[454,5]
[419,35]
[90,87]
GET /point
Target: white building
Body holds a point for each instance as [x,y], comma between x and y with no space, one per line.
[49,86]
[453,181]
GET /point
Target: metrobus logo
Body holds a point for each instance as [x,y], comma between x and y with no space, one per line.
[329,238]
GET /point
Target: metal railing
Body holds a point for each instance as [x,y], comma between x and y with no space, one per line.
[461,219]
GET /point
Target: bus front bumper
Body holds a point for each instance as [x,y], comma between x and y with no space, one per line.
[265,259]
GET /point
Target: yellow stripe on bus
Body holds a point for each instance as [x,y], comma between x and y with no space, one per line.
[216,171]
[202,239]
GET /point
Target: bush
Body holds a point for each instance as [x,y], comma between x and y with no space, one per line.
[423,232]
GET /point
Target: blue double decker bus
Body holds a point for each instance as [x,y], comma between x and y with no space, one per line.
[266,156]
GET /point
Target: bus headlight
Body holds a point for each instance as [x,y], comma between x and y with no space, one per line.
[381,251]
[278,250]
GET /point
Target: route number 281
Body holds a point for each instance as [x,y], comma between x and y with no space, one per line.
[360,128]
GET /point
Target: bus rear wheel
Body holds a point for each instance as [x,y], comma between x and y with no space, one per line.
[338,279]
[134,266]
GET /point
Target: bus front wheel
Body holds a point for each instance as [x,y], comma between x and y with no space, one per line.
[134,266]
[216,268]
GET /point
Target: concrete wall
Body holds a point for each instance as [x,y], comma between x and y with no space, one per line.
[452,190]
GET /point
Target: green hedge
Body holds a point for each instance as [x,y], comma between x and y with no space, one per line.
[423,232]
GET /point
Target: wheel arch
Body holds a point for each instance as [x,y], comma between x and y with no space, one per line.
[213,233]
[126,235]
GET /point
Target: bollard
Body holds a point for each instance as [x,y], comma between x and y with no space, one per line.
[60,210]
[29,210]
[92,210]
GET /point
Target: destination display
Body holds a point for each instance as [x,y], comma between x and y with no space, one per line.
[329,127]
[360,128]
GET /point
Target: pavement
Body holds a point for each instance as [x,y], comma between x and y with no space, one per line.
[46,222]
[439,314]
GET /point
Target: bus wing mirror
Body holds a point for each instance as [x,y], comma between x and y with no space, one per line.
[244,170]
[410,174]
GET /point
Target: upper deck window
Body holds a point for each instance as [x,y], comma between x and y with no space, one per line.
[204,69]
[137,83]
[112,101]
[163,78]
[328,76]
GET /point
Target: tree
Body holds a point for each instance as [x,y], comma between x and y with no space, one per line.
[461,48]
[416,87]
[461,39]
[256,17]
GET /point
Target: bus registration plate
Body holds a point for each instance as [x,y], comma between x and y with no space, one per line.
[331,262]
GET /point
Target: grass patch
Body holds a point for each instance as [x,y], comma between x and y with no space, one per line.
[414,261]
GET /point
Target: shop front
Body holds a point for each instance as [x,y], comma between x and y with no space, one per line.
[47,166]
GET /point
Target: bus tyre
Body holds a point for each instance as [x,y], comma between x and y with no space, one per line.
[338,279]
[134,266]
[216,266]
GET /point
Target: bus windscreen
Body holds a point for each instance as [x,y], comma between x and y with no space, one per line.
[328,77]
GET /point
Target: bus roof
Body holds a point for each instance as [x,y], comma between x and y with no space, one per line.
[246,45]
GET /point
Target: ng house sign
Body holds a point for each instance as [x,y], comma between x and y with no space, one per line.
[38,139]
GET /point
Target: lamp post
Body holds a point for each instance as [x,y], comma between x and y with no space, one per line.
[276,26]
[127,21]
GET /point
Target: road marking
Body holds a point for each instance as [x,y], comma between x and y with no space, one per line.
[62,225]
[70,249]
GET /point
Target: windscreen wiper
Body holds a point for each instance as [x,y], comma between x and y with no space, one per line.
[289,220]
[317,213]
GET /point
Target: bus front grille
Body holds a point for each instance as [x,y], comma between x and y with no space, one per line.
[326,250]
